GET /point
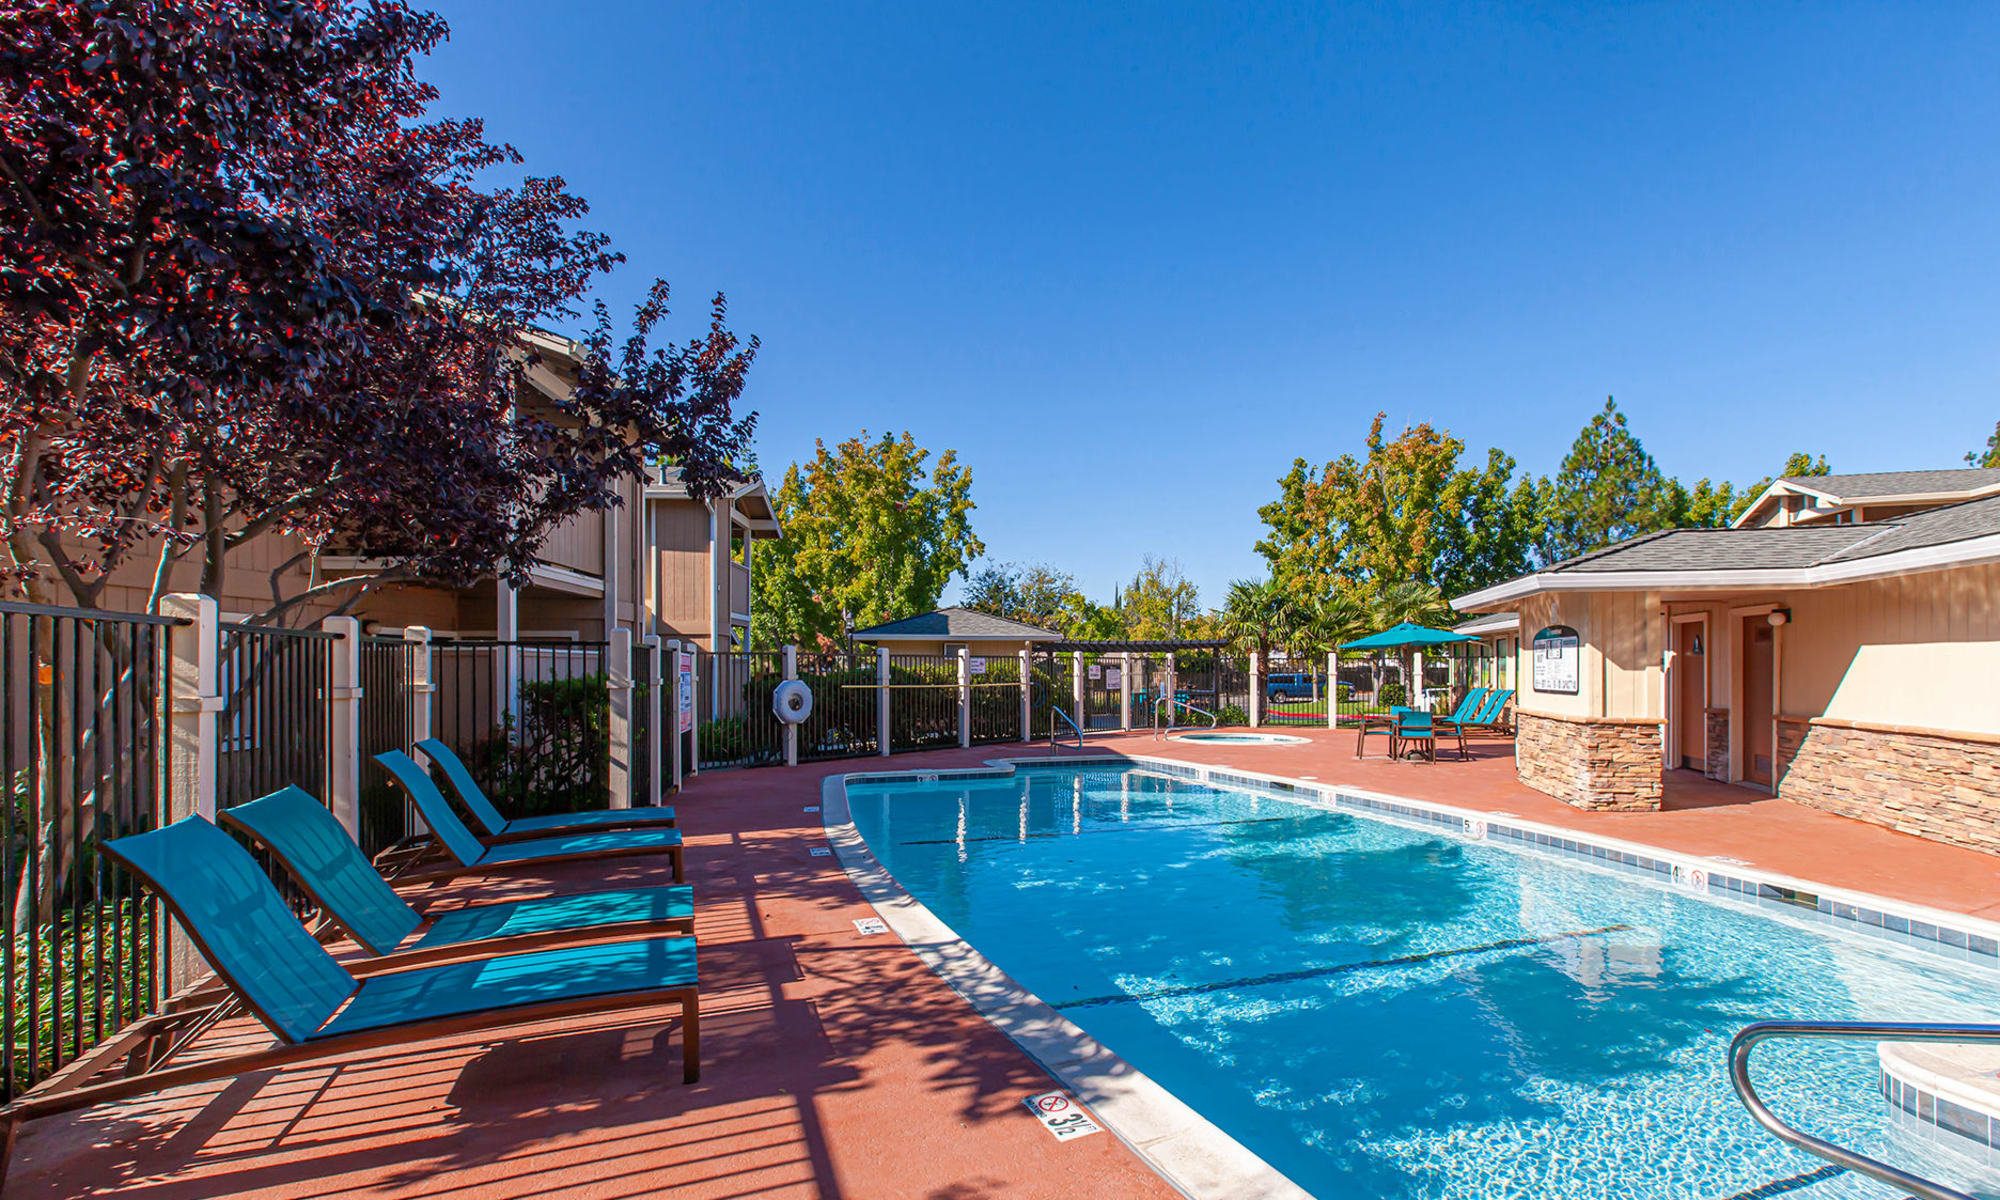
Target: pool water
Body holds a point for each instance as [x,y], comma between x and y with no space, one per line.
[1380,1011]
[1253,739]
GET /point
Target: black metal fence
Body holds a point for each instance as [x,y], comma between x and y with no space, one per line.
[734,723]
[530,719]
[84,757]
[845,722]
[996,699]
[272,730]
[389,702]
[923,701]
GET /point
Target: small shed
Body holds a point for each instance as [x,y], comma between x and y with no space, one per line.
[942,632]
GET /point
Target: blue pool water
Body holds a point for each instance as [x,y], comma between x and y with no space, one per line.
[1381,1011]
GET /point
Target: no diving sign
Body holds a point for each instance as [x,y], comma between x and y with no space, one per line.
[1062,1116]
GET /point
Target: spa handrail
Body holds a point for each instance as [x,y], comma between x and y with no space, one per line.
[1739,1077]
[1055,712]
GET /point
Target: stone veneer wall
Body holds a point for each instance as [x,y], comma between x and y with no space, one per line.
[1593,764]
[1927,783]
[1716,765]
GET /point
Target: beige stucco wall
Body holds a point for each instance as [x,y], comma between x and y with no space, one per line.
[1919,650]
[1619,668]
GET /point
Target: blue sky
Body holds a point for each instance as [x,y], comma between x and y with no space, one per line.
[1129,263]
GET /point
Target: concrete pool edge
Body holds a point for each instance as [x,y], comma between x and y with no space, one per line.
[1184,1147]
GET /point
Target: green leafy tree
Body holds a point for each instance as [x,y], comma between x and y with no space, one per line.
[1085,620]
[1990,456]
[1407,511]
[1036,592]
[1608,489]
[873,532]
[1161,602]
[1798,465]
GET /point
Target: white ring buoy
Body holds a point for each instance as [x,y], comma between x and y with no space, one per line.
[792,702]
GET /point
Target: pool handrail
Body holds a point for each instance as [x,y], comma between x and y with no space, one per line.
[1055,712]
[1747,1038]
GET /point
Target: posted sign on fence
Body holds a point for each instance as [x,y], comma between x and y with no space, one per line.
[684,671]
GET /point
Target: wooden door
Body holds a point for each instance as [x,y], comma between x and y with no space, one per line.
[1759,644]
[1691,692]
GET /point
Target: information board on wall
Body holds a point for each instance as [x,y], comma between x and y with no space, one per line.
[1111,678]
[684,671]
[976,665]
[1557,651]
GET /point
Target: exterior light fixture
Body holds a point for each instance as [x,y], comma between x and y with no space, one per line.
[1779,616]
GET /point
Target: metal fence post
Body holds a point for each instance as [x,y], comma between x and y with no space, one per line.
[193,700]
[343,724]
[423,686]
[964,696]
[791,735]
[883,711]
[1256,693]
[618,721]
[1172,695]
[1027,695]
[1332,689]
[654,711]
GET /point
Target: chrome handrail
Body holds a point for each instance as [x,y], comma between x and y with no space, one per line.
[1055,712]
[1739,1078]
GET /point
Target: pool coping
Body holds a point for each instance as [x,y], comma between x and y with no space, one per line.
[1187,1150]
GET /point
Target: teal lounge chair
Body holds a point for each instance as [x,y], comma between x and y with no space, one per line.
[1491,712]
[500,828]
[313,847]
[470,854]
[1467,709]
[316,1009]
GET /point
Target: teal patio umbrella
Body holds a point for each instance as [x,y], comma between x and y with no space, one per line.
[1406,636]
[1397,637]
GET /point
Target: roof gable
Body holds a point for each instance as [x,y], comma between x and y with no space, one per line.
[958,624]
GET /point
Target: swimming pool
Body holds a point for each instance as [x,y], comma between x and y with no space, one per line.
[1242,739]
[1383,1010]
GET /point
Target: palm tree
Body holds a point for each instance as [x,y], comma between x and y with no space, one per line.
[1256,615]
[1408,600]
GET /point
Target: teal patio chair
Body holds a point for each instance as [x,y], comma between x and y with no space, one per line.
[316,1008]
[1413,725]
[470,854]
[499,828]
[316,850]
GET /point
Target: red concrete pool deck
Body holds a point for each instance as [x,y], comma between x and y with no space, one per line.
[836,1065]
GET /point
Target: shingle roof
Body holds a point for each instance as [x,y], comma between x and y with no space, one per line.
[956,623]
[1899,483]
[1792,546]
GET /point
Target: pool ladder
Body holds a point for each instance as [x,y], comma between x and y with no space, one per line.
[1739,1077]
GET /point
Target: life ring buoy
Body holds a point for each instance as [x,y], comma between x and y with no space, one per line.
[792,702]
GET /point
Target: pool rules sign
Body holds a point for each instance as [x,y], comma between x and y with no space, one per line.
[1556,652]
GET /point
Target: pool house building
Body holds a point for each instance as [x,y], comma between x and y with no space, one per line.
[1847,665]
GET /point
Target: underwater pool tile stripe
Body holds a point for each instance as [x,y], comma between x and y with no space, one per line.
[1402,960]
[1791,1183]
[1138,828]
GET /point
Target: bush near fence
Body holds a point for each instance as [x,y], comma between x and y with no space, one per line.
[555,757]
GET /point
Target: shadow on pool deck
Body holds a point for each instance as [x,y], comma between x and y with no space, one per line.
[836,1065]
